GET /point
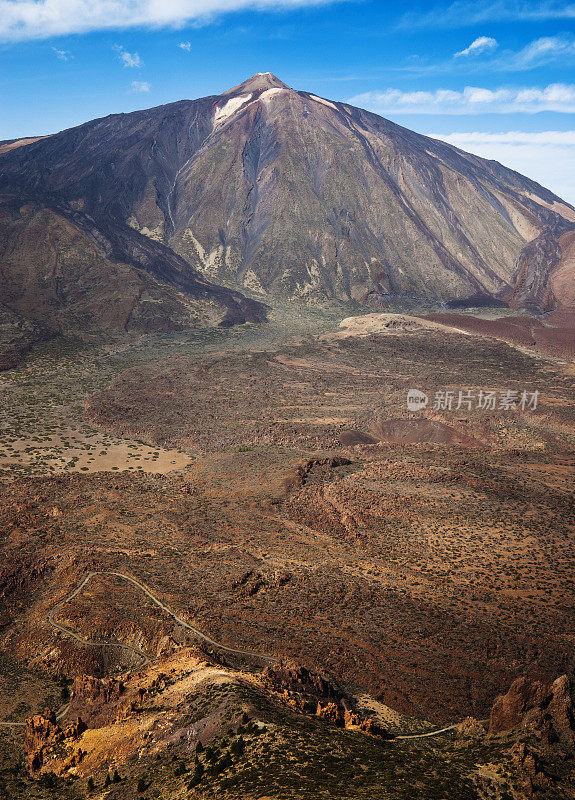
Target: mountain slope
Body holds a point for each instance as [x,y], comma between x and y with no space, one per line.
[283,193]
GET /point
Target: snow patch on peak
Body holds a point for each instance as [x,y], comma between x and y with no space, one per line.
[323,102]
[230,107]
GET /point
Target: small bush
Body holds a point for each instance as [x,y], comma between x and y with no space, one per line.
[180,769]
[197,774]
[238,746]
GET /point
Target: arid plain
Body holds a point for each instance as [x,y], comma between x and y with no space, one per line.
[267,488]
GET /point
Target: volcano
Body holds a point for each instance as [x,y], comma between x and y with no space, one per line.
[165,219]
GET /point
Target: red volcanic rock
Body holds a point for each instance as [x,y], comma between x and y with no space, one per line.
[509,709]
[313,694]
[546,710]
[42,730]
[554,718]
[530,768]
[470,728]
[96,699]
[331,712]
[75,729]
[294,678]
[561,710]
[93,689]
[366,724]
[72,760]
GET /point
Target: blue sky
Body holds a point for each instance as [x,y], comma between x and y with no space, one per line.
[495,77]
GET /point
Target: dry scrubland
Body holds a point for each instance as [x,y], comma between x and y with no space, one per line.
[426,560]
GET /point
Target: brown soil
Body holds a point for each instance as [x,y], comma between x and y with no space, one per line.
[423,568]
[555,336]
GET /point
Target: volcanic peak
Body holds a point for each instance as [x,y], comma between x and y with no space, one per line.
[259,82]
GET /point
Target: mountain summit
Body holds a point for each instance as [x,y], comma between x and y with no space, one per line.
[260,82]
[145,217]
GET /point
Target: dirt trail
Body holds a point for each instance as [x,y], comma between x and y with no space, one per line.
[430,733]
[145,660]
[60,714]
[135,650]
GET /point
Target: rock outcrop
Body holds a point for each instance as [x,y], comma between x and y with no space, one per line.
[313,694]
[96,699]
[509,709]
[43,733]
[547,710]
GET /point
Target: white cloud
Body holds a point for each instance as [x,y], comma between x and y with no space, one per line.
[63,55]
[543,51]
[41,19]
[187,46]
[141,86]
[559,48]
[128,59]
[462,13]
[483,44]
[557,97]
[547,157]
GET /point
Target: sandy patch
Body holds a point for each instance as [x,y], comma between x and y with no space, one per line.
[387,324]
[323,102]
[269,93]
[72,450]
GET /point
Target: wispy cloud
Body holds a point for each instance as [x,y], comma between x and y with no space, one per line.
[141,86]
[187,46]
[464,13]
[548,157]
[480,57]
[483,44]
[542,51]
[63,55]
[41,19]
[128,59]
[557,97]
[548,138]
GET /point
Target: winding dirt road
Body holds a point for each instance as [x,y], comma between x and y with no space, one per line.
[144,658]
[135,650]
